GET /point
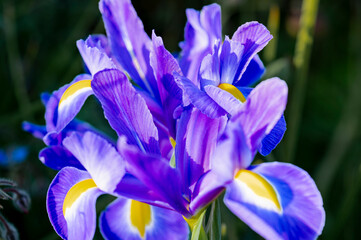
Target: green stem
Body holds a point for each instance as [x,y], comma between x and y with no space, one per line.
[301,62]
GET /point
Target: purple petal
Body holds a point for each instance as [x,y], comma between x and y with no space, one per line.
[131,187]
[156,173]
[129,42]
[210,68]
[55,123]
[100,41]
[275,136]
[302,215]
[224,99]
[126,110]
[232,152]
[208,188]
[51,111]
[164,64]
[253,73]
[196,139]
[58,157]
[230,58]
[98,157]
[262,110]
[72,215]
[202,30]
[38,131]
[200,99]
[53,138]
[116,222]
[254,36]
[95,58]
[72,101]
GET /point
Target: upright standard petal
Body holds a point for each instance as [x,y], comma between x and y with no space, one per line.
[164,65]
[254,36]
[129,219]
[71,204]
[262,110]
[278,201]
[195,143]
[95,58]
[126,110]
[230,57]
[202,30]
[99,158]
[129,42]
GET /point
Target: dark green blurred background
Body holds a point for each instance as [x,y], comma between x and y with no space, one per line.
[38,54]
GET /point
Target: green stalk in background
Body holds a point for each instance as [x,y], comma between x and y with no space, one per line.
[273,25]
[15,62]
[301,62]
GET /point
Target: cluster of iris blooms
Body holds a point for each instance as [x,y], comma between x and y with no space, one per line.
[188,130]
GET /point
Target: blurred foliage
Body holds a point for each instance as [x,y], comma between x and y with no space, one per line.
[38,53]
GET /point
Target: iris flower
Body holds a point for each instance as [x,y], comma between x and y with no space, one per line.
[181,110]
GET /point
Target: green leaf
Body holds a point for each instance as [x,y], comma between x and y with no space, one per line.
[214,222]
[195,224]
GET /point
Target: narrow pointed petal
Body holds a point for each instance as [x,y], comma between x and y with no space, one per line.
[262,110]
[128,219]
[195,143]
[200,99]
[99,158]
[156,173]
[58,157]
[71,204]
[129,42]
[164,65]
[254,36]
[202,30]
[253,73]
[301,214]
[38,131]
[126,110]
[95,58]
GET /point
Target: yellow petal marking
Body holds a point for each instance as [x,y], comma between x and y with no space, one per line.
[259,185]
[140,216]
[75,192]
[72,89]
[172,142]
[232,90]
